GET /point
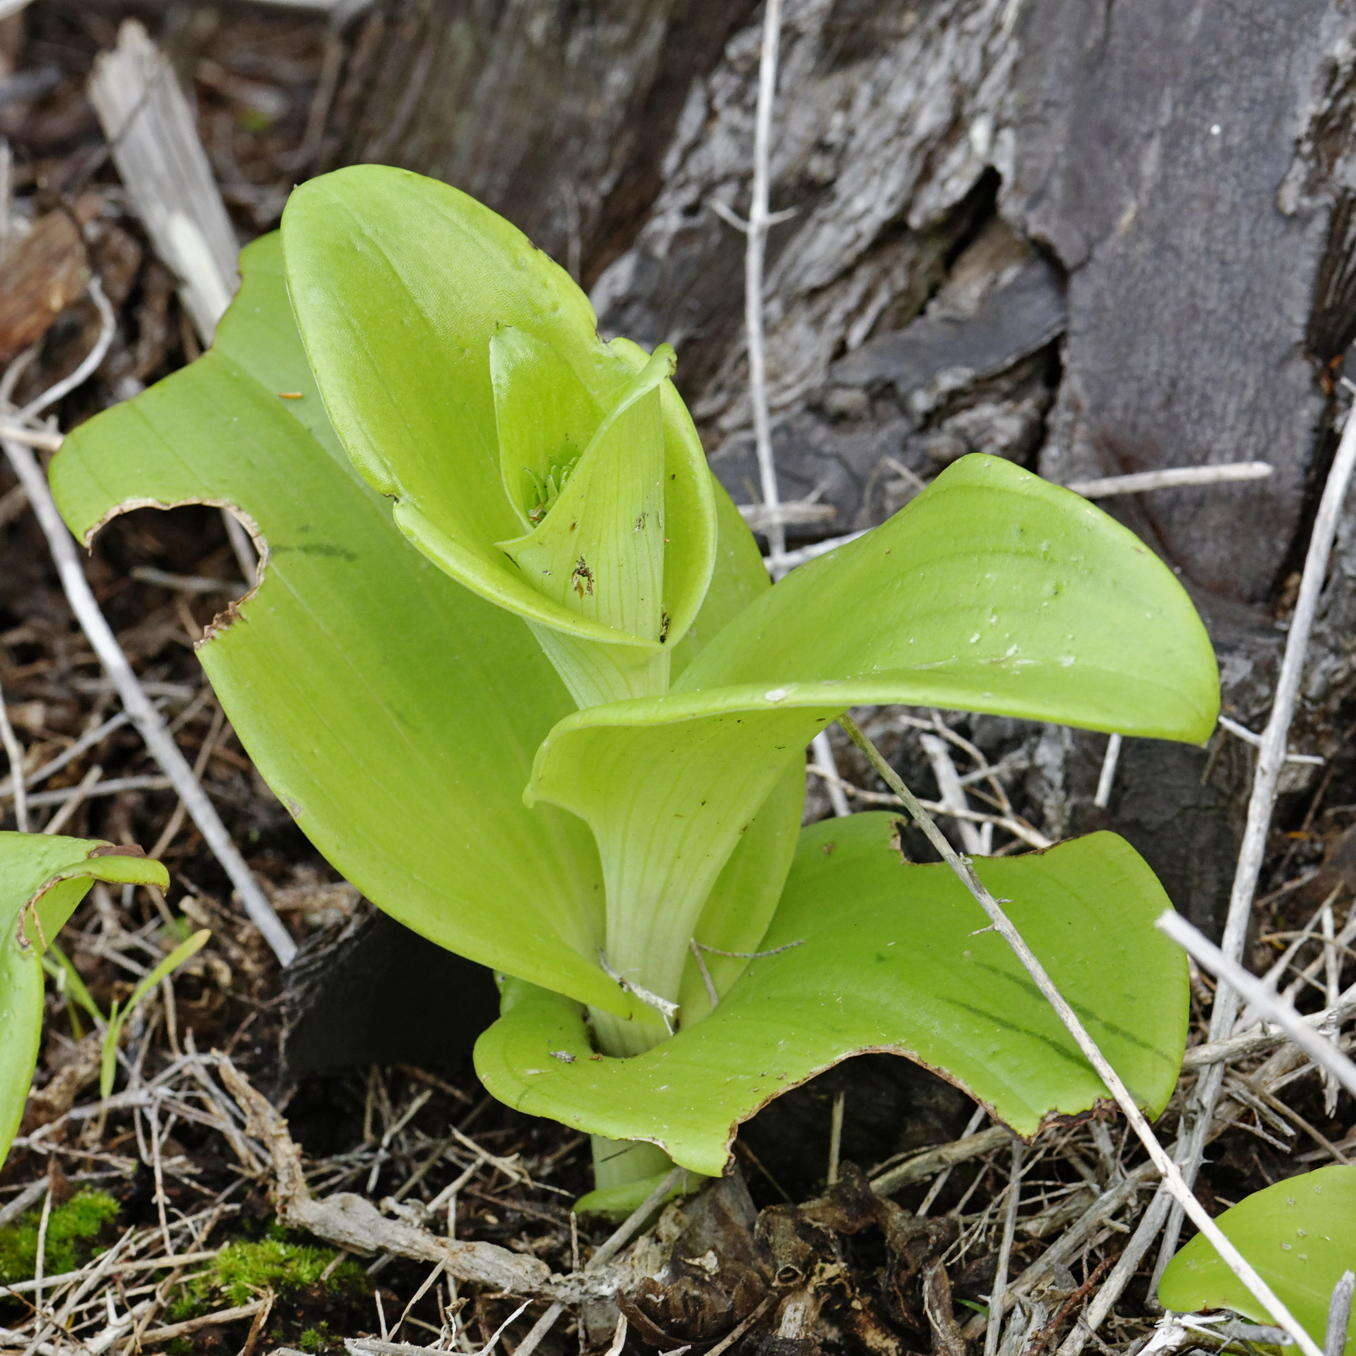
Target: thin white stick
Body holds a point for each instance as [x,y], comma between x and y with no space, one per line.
[755,246]
[1267,1002]
[1266,778]
[1103,487]
[773,517]
[144,715]
[790,559]
[950,793]
[836,1135]
[45,442]
[1108,774]
[759,517]
[1339,1315]
[1002,924]
[15,754]
[997,1295]
[1248,737]
[821,755]
[1089,489]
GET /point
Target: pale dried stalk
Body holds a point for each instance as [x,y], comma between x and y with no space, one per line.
[1141,482]
[15,754]
[1339,1315]
[1268,1003]
[997,1295]
[950,792]
[154,143]
[1271,757]
[1102,488]
[352,1222]
[1002,924]
[1254,1041]
[924,1164]
[1107,776]
[771,516]
[754,251]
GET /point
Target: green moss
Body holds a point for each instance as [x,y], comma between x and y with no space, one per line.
[242,1272]
[316,1339]
[73,1231]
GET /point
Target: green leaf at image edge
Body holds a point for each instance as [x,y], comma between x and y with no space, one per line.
[42,879]
[884,956]
[1299,1234]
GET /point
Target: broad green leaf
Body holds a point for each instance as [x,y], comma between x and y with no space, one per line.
[887,956]
[400,285]
[394,713]
[1300,1235]
[992,591]
[42,878]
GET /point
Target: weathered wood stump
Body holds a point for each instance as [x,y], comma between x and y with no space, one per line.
[1095,239]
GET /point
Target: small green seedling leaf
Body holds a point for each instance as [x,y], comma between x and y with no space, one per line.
[68,981]
[867,952]
[42,879]
[1299,1234]
[117,1017]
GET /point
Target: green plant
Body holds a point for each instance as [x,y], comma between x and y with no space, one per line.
[73,1231]
[42,879]
[1299,1234]
[68,980]
[545,708]
[244,1271]
[118,1014]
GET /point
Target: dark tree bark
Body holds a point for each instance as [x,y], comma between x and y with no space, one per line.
[1092,238]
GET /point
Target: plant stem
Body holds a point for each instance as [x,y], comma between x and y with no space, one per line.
[619,1162]
[622,1038]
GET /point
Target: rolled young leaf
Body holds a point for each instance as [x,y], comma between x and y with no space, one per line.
[992,591]
[888,956]
[596,546]
[403,289]
[42,879]
[394,713]
[744,896]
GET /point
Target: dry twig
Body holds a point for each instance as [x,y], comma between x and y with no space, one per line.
[1271,757]
[1003,925]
